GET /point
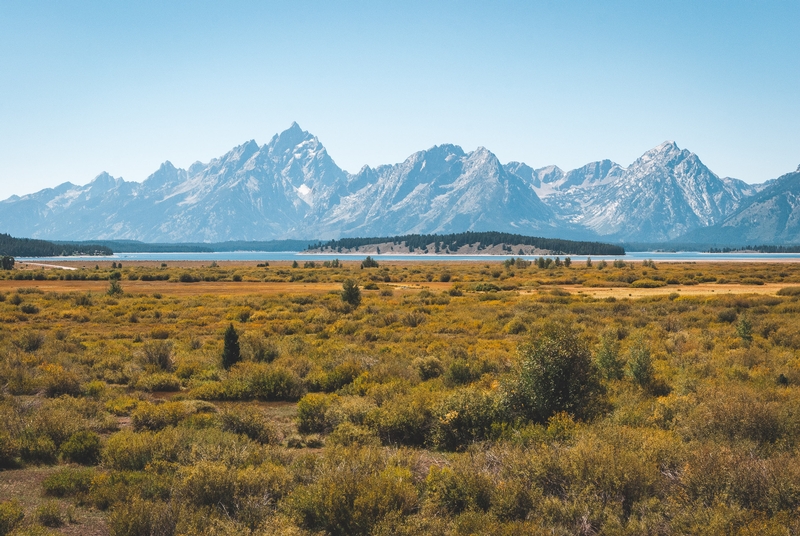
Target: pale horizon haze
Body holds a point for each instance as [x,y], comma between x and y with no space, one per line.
[121,87]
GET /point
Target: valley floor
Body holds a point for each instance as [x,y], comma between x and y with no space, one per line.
[440,398]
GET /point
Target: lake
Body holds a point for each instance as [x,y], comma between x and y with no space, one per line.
[302,257]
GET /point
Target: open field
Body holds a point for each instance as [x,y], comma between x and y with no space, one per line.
[450,398]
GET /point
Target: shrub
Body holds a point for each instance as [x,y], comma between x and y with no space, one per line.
[114,288]
[353,490]
[647,283]
[456,491]
[256,347]
[129,451]
[149,416]
[429,367]
[49,514]
[11,513]
[29,308]
[607,356]
[413,319]
[59,381]
[556,374]
[160,381]
[30,341]
[9,450]
[208,484]
[68,482]
[461,372]
[341,375]
[347,434]
[404,419]
[82,447]
[139,517]
[269,382]
[158,354]
[640,364]
[516,326]
[250,422]
[465,416]
[311,411]
[38,449]
[159,334]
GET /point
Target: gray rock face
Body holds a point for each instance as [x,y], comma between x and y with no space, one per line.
[291,188]
[662,195]
[440,190]
[771,216]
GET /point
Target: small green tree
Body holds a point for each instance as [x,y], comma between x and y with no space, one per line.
[369,262]
[744,329]
[556,374]
[114,288]
[640,364]
[7,262]
[607,356]
[230,351]
[351,294]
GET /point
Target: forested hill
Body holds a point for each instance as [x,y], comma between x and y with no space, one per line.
[452,243]
[28,247]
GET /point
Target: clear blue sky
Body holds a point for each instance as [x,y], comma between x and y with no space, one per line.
[115,86]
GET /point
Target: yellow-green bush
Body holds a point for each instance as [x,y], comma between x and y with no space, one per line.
[11,513]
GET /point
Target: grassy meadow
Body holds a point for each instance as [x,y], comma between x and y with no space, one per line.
[493,397]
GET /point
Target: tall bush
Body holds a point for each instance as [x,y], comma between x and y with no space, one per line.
[556,374]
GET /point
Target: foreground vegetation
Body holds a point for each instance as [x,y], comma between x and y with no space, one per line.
[436,399]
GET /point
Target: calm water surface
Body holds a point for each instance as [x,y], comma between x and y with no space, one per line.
[301,257]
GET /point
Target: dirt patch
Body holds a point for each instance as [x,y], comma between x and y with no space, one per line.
[687,290]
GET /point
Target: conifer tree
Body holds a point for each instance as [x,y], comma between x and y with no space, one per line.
[230,352]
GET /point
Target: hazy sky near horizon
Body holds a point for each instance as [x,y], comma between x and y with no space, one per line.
[96,86]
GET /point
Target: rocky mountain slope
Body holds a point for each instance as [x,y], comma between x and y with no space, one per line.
[771,216]
[291,188]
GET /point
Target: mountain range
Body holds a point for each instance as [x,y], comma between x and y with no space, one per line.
[291,188]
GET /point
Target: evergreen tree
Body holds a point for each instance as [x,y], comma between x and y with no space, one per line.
[351,294]
[230,352]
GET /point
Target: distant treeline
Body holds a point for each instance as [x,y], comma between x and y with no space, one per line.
[452,242]
[135,246]
[758,249]
[28,247]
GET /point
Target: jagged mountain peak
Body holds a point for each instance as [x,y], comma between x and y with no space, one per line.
[105,179]
[291,188]
[290,138]
[666,151]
